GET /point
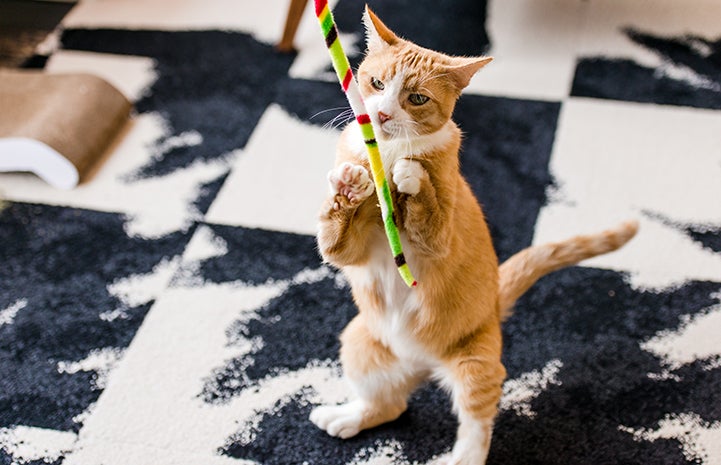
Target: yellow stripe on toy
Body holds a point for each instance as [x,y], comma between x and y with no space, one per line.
[350,87]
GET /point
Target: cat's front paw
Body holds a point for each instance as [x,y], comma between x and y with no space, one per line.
[444,459]
[342,421]
[448,459]
[407,175]
[351,181]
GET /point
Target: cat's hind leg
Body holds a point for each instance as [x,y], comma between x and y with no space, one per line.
[381,385]
[475,376]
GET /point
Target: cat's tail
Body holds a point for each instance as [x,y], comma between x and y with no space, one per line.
[522,270]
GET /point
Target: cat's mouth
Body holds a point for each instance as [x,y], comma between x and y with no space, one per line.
[392,130]
[392,127]
[387,131]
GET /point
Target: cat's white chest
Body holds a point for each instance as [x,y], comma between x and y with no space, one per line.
[393,325]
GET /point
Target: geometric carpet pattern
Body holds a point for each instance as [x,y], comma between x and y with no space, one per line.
[174,309]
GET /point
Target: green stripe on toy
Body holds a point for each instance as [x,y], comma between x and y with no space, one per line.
[342,68]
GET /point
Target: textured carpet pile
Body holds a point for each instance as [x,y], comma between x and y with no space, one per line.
[173,310]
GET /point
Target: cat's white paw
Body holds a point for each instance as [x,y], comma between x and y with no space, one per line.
[343,421]
[448,459]
[352,181]
[471,447]
[407,175]
[444,459]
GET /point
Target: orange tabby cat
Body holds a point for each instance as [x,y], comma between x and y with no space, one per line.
[448,328]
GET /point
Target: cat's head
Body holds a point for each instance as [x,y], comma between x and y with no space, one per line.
[410,90]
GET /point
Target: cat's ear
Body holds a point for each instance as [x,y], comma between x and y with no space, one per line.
[378,36]
[462,69]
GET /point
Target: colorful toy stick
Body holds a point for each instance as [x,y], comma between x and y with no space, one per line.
[352,93]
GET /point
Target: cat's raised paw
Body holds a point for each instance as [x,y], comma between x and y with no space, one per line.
[342,421]
[407,175]
[351,181]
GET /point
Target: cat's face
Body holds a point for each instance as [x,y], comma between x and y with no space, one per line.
[408,90]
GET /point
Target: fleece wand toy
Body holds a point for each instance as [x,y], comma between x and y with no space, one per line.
[352,93]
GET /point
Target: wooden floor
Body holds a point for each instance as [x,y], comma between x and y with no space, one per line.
[23,25]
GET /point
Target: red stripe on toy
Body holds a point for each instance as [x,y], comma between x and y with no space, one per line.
[363,119]
[319,5]
[346,80]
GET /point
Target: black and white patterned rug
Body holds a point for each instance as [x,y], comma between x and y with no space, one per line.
[174,309]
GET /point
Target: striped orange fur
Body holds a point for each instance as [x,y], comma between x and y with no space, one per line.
[448,328]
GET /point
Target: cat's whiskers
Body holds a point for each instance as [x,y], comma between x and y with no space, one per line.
[407,140]
[340,119]
[410,133]
[327,110]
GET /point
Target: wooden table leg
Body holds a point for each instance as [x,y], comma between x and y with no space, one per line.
[295,12]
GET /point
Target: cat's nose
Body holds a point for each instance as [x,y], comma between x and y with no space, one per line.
[383,117]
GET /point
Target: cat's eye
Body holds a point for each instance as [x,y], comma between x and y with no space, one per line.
[418,99]
[377,84]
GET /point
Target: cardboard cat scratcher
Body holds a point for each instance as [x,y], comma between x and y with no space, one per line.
[57,126]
